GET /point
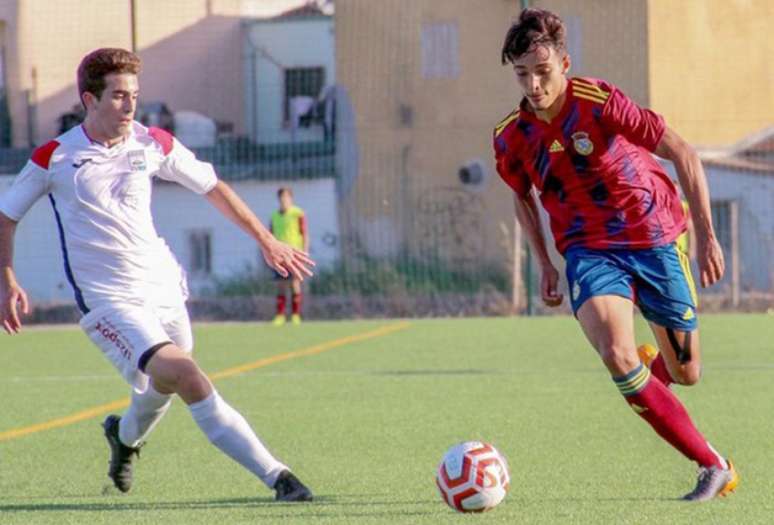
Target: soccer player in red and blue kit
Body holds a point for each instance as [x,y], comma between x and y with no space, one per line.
[586,148]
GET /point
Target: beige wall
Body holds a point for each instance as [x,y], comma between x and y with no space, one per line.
[191,51]
[710,69]
[613,41]
[408,184]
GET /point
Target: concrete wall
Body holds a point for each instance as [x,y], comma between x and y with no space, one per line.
[191,51]
[710,67]
[272,46]
[38,259]
[416,125]
[607,39]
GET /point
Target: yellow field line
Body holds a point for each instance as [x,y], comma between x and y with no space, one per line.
[228,372]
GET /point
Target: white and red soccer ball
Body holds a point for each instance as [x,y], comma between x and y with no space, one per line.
[473,477]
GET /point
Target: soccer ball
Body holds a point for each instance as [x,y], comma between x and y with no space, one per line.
[473,477]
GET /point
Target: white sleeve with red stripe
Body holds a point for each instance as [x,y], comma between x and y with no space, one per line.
[182,166]
[32,183]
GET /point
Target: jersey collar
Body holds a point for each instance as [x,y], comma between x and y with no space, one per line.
[528,113]
[93,142]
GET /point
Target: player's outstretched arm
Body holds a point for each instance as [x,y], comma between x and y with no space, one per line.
[12,296]
[529,217]
[283,258]
[693,181]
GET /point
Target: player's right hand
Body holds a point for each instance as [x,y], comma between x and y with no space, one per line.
[549,284]
[12,296]
[287,260]
[709,255]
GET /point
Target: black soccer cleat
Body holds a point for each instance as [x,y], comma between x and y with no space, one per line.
[290,488]
[121,456]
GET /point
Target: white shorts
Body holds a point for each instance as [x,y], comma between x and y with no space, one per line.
[126,334]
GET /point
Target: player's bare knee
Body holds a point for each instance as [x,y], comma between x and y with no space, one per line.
[619,359]
[688,375]
[192,384]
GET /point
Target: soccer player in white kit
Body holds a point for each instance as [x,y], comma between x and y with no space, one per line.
[128,285]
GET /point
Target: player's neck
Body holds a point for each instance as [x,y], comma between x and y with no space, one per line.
[95,134]
[548,114]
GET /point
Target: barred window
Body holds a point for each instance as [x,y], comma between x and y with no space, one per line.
[200,250]
[302,82]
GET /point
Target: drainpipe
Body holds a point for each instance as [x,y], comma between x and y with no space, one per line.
[133,23]
[253,90]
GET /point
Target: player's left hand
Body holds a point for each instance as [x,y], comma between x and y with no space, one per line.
[287,260]
[709,255]
[549,286]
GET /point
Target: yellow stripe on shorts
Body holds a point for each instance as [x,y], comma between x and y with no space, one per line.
[685,264]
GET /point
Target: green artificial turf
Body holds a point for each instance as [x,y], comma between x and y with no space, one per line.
[365,424]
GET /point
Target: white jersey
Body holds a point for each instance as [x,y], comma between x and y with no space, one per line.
[101,198]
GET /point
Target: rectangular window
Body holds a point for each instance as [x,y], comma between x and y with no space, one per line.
[440,50]
[302,82]
[200,250]
[721,220]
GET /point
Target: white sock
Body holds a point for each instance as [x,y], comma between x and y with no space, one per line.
[228,430]
[145,411]
[721,458]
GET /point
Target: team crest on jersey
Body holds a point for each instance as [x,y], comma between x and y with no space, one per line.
[582,143]
[137,160]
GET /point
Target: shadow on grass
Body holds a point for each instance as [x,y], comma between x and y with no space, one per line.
[372,502]
[428,372]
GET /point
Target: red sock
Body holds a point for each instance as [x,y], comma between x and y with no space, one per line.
[659,370]
[296,302]
[657,405]
[281,304]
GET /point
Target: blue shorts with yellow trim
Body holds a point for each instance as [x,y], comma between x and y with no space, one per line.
[658,280]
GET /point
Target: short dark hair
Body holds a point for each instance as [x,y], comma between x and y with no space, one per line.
[102,62]
[284,189]
[535,27]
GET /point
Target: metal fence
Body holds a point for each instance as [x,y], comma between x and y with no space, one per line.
[381,125]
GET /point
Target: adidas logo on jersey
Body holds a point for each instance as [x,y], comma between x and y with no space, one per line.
[556,147]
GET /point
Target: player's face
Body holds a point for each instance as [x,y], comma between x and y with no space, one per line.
[541,76]
[114,110]
[286,201]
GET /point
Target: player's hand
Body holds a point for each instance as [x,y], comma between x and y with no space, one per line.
[709,255]
[549,284]
[287,260]
[13,300]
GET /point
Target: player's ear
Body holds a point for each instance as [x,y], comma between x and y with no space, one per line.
[88,99]
[566,63]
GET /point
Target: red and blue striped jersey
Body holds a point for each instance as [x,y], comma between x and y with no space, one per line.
[593,167]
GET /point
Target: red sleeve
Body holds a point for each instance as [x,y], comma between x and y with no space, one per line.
[42,155]
[164,138]
[621,115]
[510,167]
[302,225]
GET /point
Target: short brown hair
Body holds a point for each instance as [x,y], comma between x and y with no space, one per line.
[535,27]
[284,189]
[102,62]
